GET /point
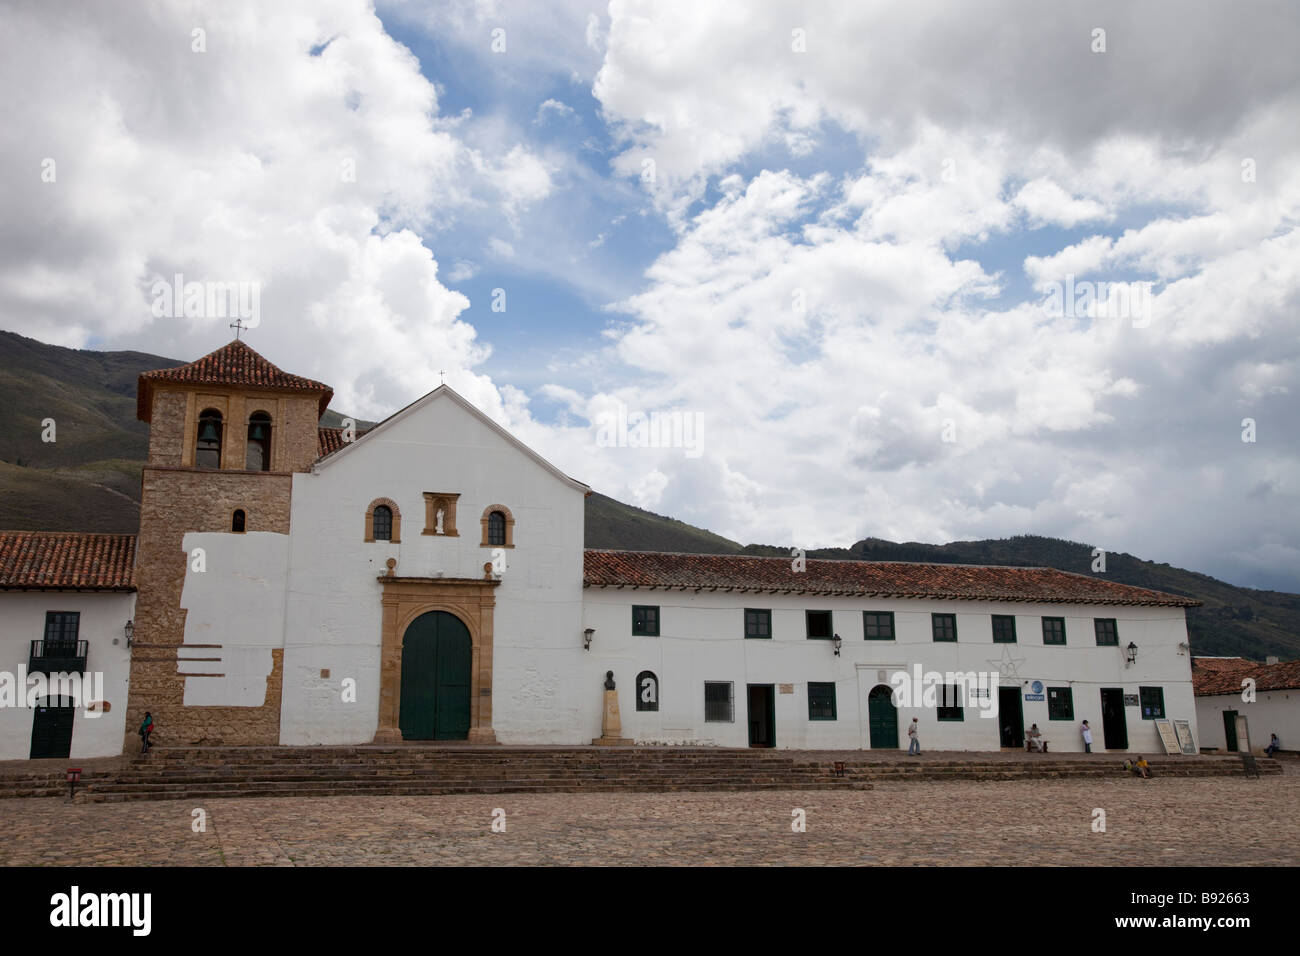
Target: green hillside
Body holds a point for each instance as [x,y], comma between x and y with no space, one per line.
[89,480]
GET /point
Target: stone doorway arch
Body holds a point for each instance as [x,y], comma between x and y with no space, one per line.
[405,600]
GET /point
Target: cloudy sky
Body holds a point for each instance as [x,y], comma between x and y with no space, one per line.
[919,271]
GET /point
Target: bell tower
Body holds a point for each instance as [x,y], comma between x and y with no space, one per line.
[227,432]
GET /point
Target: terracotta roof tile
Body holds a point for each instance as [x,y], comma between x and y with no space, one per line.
[1223,675]
[232,364]
[330,440]
[862,578]
[66,560]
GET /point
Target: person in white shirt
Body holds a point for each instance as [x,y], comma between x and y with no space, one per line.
[914,746]
[1087,737]
[1033,738]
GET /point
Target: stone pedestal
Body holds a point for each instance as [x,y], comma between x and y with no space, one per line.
[611,727]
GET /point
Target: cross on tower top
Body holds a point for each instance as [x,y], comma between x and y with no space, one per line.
[238,326]
[442,374]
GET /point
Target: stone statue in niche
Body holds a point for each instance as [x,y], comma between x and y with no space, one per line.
[609,680]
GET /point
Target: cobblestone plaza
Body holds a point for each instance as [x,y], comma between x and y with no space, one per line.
[1160,822]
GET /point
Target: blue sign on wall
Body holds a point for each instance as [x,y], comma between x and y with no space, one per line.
[1035,691]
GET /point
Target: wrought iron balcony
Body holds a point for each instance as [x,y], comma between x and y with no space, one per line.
[55,657]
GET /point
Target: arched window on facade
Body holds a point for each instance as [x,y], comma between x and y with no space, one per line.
[497,528]
[647,691]
[383,523]
[207,449]
[237,521]
[258,457]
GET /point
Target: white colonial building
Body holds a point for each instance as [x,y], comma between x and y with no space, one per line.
[1241,704]
[427,580]
[66,601]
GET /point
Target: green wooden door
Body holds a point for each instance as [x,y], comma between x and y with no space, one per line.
[436,664]
[883,718]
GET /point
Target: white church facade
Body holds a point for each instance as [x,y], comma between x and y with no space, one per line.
[427,580]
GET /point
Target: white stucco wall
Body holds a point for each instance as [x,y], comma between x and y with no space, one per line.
[333,617]
[1272,712]
[237,602]
[701,639]
[103,615]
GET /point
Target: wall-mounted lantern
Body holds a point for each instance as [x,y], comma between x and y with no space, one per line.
[1130,653]
[587,635]
[129,631]
[837,642]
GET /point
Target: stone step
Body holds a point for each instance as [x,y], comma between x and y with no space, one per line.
[211,772]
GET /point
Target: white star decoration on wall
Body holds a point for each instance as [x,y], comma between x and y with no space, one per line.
[1007,666]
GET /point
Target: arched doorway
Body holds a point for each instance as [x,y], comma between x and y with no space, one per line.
[436,666]
[883,717]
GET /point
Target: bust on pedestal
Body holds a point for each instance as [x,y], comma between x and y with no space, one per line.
[611,727]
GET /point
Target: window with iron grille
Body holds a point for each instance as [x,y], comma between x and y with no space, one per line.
[878,625]
[719,702]
[821,701]
[1004,629]
[497,528]
[950,702]
[758,623]
[1153,702]
[1107,632]
[1060,703]
[645,620]
[61,628]
[819,624]
[944,626]
[1053,630]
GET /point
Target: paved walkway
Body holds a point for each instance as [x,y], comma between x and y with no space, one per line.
[1161,822]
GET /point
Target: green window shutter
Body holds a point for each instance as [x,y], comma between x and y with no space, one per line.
[1107,631]
[758,623]
[1060,703]
[944,627]
[818,624]
[1153,702]
[1053,630]
[950,707]
[878,625]
[645,620]
[1004,629]
[821,701]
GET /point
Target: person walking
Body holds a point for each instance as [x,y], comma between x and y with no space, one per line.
[146,728]
[1087,738]
[914,741]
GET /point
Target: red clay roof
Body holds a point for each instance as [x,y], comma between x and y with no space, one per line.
[328,441]
[646,569]
[1223,675]
[232,364]
[66,560]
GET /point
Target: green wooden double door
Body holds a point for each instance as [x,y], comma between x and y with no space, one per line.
[436,666]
